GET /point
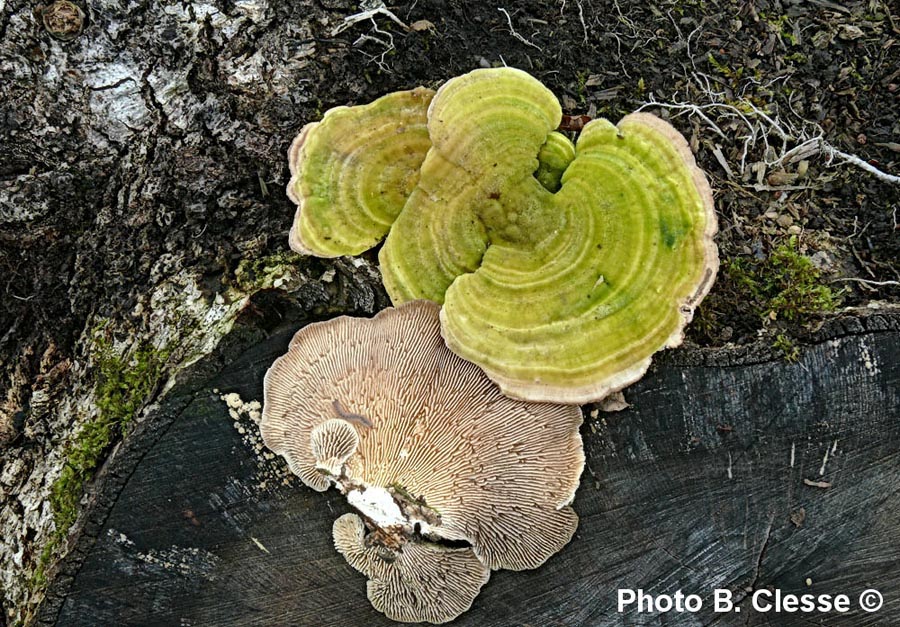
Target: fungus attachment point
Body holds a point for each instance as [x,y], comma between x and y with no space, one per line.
[562,268]
[453,479]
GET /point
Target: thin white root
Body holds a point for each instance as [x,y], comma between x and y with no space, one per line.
[369,14]
[760,125]
[386,40]
[833,152]
[512,31]
[867,281]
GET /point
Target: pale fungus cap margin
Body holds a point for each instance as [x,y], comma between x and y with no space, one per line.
[458,460]
[295,162]
[701,183]
[560,295]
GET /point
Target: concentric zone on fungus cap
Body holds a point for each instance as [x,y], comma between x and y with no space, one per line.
[359,165]
[426,447]
[558,294]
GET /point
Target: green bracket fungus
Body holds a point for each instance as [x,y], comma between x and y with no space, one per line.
[561,268]
[352,172]
[554,157]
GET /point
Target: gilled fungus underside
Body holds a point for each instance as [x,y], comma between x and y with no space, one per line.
[450,478]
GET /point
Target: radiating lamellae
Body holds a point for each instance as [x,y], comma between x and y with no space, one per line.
[446,579]
[424,444]
[332,443]
[499,472]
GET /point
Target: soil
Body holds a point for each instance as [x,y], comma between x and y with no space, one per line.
[142,162]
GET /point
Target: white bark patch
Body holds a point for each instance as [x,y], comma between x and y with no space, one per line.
[255,10]
[246,71]
[116,97]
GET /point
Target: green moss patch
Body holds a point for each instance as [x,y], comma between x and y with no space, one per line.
[782,290]
[123,385]
[783,286]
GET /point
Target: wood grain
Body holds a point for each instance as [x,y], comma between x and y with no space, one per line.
[703,483]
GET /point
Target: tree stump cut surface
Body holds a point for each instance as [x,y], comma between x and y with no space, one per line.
[721,474]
